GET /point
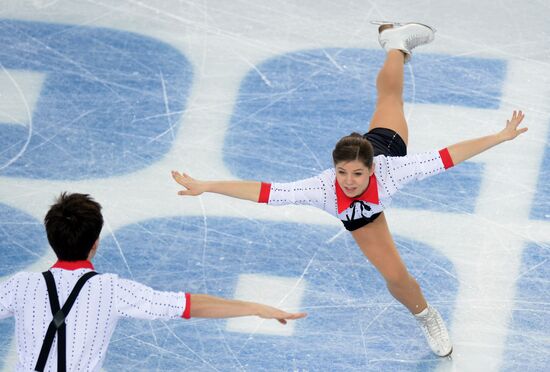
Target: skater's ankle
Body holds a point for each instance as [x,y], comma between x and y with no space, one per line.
[398,52]
[422,313]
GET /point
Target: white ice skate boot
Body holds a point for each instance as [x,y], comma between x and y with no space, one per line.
[404,36]
[435,331]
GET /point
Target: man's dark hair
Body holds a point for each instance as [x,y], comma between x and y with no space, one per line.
[73,225]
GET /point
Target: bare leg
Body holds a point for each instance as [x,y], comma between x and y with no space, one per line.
[389,105]
[377,244]
[375,239]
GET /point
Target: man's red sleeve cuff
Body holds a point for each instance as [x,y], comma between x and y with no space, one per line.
[265,190]
[446,158]
[187,312]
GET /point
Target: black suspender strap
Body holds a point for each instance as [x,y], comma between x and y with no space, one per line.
[57,325]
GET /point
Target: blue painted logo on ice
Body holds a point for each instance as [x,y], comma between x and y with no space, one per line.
[109,102]
[288,118]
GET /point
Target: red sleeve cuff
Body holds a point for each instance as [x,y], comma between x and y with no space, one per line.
[265,190]
[187,312]
[446,158]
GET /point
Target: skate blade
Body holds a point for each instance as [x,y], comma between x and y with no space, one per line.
[380,23]
[399,24]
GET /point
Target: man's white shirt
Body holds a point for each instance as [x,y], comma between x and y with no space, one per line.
[103,300]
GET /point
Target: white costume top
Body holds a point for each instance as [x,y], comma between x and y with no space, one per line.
[104,299]
[391,173]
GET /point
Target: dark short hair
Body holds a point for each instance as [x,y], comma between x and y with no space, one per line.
[73,225]
[353,147]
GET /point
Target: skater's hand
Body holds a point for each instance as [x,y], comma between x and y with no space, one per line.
[207,306]
[192,186]
[268,312]
[511,131]
[247,190]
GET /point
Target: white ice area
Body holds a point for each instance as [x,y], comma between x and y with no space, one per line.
[20,91]
[224,40]
[284,293]
[486,246]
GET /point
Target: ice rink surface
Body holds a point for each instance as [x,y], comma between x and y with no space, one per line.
[106,97]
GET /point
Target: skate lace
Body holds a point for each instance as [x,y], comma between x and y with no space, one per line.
[433,327]
[414,40]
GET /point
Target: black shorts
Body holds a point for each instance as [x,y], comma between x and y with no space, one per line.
[385,142]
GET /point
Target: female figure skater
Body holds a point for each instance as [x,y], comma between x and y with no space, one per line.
[368,170]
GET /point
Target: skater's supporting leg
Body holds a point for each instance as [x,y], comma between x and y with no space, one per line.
[377,244]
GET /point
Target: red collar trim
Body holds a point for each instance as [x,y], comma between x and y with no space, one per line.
[73,265]
[370,195]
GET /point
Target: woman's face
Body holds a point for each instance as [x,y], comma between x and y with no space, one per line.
[353,177]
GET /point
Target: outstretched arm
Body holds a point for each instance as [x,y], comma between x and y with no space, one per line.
[136,300]
[205,306]
[465,150]
[247,190]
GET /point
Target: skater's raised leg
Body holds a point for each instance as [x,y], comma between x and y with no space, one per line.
[389,104]
[375,239]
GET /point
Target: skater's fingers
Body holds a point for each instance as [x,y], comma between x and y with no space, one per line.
[186,182]
[522,130]
[177,176]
